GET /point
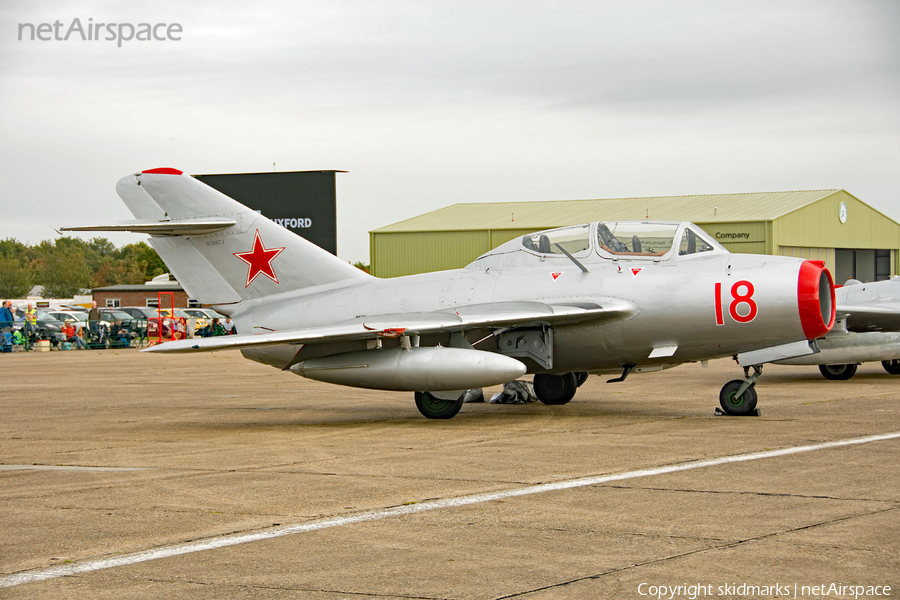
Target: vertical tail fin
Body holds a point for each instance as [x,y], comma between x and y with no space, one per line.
[221,251]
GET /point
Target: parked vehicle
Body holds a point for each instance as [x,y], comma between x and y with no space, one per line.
[151,317]
[73,307]
[79,319]
[208,314]
[46,328]
[205,313]
[192,322]
[121,328]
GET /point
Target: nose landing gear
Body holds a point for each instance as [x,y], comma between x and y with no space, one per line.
[738,397]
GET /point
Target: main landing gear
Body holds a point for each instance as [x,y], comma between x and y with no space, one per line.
[838,372]
[557,389]
[842,372]
[891,366]
[550,389]
[738,397]
[433,407]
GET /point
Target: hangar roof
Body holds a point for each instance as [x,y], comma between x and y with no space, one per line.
[712,208]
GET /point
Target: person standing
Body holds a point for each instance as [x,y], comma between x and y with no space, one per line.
[7,321]
[94,323]
[30,326]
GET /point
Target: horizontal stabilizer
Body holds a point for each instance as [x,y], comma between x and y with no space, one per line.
[219,250]
[178,227]
[518,314]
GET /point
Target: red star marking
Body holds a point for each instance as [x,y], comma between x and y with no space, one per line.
[260,260]
[636,271]
[555,275]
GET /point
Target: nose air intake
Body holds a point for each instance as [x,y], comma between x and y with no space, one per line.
[815,299]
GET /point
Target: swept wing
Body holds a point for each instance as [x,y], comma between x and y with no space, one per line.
[496,315]
[879,315]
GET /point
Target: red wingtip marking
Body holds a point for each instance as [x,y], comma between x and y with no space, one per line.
[163,171]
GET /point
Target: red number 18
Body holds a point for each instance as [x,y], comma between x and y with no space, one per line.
[737,299]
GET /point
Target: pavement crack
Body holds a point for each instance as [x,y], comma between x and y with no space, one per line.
[750,493]
[289,588]
[716,548]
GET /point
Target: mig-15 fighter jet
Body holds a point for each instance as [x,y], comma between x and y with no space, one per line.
[867,329]
[606,297]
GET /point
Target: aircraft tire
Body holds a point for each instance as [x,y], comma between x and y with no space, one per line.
[891,366]
[555,389]
[581,377]
[743,405]
[838,372]
[435,408]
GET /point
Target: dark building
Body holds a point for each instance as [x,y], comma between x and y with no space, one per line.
[305,202]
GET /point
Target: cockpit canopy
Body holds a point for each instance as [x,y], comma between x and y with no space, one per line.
[641,238]
[623,239]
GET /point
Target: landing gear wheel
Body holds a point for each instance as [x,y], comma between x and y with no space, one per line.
[555,389]
[740,405]
[891,366]
[435,408]
[839,372]
[581,377]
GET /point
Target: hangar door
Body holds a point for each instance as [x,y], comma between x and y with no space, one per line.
[863,264]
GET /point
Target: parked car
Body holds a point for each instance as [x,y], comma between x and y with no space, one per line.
[147,320]
[46,328]
[189,319]
[121,329]
[151,317]
[205,313]
[79,319]
[73,307]
[208,314]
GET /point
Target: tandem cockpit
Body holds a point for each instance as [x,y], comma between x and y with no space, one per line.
[608,240]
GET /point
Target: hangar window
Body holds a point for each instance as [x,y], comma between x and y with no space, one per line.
[634,239]
[572,239]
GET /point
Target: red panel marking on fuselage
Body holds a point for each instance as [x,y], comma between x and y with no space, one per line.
[163,171]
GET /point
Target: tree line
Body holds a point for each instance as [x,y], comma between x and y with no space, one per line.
[67,265]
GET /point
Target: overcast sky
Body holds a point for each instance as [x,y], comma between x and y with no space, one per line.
[431,103]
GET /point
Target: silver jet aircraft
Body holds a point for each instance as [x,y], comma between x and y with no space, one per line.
[867,329]
[605,297]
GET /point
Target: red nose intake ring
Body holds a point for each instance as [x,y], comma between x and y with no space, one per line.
[815,299]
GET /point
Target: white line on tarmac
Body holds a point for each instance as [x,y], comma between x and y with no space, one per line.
[377,515]
[66,468]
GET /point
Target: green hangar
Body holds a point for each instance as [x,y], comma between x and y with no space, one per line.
[853,239]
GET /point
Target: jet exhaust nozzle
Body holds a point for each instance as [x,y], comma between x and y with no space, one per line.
[413,369]
[815,299]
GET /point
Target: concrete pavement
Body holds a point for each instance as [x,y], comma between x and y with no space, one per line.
[175,450]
